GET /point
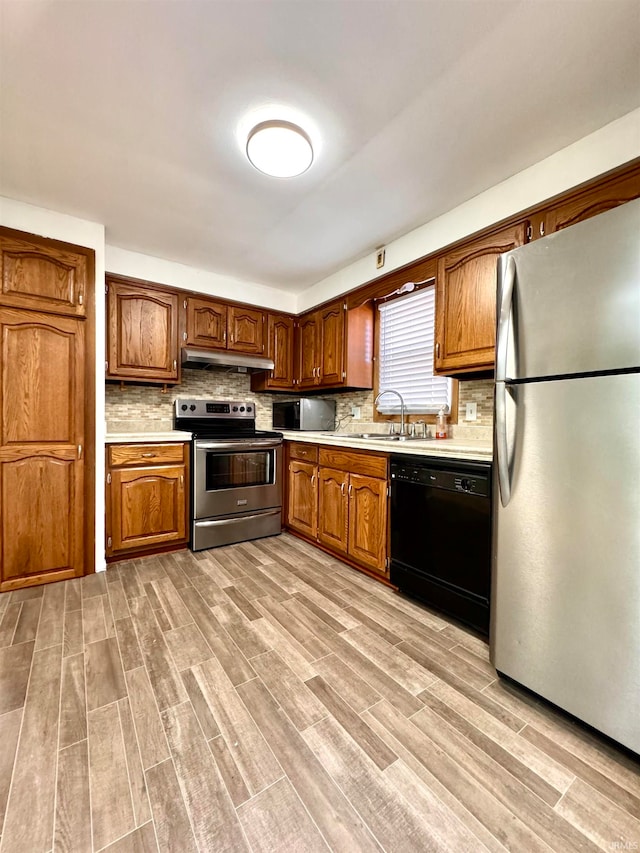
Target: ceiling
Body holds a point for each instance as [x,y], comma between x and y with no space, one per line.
[127,112]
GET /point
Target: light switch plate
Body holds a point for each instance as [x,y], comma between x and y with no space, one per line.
[471,412]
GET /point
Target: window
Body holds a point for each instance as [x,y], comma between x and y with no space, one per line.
[406,356]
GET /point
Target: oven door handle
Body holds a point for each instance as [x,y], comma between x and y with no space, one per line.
[249,444]
[242,520]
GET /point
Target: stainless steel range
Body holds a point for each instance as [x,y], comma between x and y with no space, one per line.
[236,473]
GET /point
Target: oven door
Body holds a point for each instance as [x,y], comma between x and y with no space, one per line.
[236,476]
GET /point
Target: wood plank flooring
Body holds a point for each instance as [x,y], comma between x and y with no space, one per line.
[265,697]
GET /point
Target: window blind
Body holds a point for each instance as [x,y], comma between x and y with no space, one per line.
[406,356]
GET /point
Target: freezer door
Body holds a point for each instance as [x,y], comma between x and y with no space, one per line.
[566,555]
[570,303]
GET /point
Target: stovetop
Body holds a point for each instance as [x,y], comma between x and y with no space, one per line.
[226,419]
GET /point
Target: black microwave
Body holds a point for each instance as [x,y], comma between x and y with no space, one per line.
[304,413]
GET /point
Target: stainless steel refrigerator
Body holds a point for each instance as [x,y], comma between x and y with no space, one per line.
[565,616]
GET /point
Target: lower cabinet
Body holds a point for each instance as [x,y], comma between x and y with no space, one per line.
[147,507]
[302,489]
[339,498]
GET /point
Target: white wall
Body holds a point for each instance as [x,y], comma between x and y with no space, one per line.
[173,274]
[59,226]
[611,146]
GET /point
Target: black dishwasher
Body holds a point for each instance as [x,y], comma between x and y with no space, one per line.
[441,535]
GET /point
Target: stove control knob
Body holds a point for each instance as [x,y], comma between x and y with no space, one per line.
[249,408]
[465,484]
[184,407]
[192,407]
[242,408]
[235,408]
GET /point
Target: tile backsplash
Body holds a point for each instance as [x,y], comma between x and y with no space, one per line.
[146,407]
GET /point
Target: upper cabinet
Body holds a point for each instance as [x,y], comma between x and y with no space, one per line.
[43,277]
[280,348]
[466,302]
[142,332]
[591,202]
[206,323]
[218,325]
[335,347]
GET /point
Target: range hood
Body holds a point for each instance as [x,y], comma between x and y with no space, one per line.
[206,358]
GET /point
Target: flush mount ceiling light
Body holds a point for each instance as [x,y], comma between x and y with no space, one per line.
[279,148]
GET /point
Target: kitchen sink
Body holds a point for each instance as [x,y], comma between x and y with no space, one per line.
[376,436]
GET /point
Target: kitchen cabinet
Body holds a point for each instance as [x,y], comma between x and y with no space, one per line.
[43,275]
[335,347]
[44,483]
[218,325]
[146,497]
[302,489]
[591,202]
[466,287]
[142,332]
[280,348]
[352,505]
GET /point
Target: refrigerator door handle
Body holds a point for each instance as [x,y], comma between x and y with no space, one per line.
[502,448]
[504,319]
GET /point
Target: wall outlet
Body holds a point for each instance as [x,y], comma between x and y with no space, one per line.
[471,412]
[355,412]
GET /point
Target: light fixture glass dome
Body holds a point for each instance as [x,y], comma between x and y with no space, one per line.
[279,148]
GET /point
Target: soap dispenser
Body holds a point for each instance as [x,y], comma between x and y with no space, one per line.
[441,423]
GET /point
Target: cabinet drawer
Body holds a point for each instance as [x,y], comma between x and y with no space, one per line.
[306,452]
[145,454]
[369,464]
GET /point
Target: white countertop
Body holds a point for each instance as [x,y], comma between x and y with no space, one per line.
[474,450]
[153,437]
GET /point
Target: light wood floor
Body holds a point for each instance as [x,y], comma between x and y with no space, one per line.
[266,697]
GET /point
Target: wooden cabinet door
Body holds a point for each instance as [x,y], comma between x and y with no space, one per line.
[246,330]
[147,507]
[40,275]
[142,333]
[309,343]
[280,347]
[332,344]
[368,521]
[592,202]
[302,512]
[206,324]
[42,499]
[333,508]
[466,291]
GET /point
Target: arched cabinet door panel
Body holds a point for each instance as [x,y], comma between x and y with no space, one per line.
[142,333]
[42,453]
[147,507]
[43,276]
[333,508]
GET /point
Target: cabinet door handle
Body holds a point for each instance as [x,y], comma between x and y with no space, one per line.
[79,451]
[80,299]
[182,479]
[438,350]
[350,489]
[175,364]
[342,489]
[148,455]
[313,479]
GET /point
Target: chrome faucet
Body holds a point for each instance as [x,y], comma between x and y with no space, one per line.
[399,396]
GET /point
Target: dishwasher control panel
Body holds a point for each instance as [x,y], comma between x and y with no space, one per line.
[440,478]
